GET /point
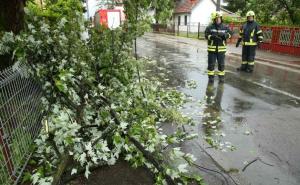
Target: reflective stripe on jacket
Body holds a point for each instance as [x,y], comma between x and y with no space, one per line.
[251,33]
[222,33]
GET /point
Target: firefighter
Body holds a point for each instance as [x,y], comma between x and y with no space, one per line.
[216,34]
[251,36]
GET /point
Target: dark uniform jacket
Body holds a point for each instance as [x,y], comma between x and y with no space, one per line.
[216,34]
[250,33]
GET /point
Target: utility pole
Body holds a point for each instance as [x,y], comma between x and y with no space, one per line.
[113,4]
[218,5]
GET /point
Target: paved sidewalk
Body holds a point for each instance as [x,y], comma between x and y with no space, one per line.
[268,56]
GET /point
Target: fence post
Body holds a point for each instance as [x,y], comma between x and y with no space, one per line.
[187,30]
[292,38]
[198,30]
[274,39]
[6,152]
[174,29]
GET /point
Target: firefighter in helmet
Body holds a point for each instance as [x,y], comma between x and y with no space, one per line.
[251,36]
[216,34]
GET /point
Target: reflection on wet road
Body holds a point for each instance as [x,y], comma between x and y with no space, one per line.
[247,117]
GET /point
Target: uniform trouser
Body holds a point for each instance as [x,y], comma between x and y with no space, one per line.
[248,57]
[212,58]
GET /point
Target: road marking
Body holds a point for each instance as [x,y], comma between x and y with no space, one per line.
[277,90]
[270,88]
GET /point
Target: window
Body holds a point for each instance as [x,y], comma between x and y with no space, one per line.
[179,20]
[185,20]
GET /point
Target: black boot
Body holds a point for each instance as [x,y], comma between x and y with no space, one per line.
[250,69]
[221,79]
[242,68]
[210,79]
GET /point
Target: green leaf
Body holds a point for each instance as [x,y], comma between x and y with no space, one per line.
[59,85]
[26,177]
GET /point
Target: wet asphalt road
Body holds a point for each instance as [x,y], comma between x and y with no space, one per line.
[257,115]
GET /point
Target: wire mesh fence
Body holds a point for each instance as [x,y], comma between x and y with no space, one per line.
[20,121]
[191,30]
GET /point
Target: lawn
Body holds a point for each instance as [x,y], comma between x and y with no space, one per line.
[190,35]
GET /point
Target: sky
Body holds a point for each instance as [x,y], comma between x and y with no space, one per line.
[92,7]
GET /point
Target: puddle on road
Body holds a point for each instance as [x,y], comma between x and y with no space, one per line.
[203,106]
[173,67]
[241,106]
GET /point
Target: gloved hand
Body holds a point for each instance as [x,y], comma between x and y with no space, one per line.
[259,44]
[238,42]
[214,37]
[222,35]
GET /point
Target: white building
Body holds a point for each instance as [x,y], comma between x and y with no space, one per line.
[189,14]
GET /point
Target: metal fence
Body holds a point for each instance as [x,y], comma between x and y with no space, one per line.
[192,29]
[20,121]
[276,38]
[282,39]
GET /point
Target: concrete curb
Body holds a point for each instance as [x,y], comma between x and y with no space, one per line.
[276,64]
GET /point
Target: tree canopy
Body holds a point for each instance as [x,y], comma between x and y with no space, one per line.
[284,12]
[99,105]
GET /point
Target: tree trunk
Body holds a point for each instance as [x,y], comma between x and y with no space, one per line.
[12,15]
[290,11]
[11,19]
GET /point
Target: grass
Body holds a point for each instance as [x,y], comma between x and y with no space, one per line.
[184,34]
[4,177]
[190,35]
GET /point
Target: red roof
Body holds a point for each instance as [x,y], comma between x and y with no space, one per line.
[185,6]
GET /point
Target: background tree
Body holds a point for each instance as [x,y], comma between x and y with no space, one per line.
[237,6]
[292,8]
[269,12]
[161,15]
[12,16]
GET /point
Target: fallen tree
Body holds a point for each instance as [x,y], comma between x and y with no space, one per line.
[99,107]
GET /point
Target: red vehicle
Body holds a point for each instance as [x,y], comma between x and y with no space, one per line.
[109,18]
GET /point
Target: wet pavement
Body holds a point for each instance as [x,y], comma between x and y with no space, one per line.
[249,126]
